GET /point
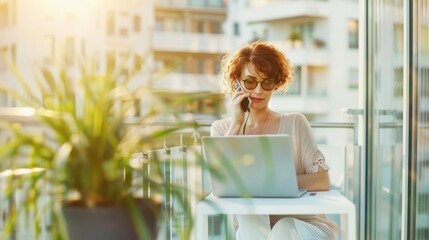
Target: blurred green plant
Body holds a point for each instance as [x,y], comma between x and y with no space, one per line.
[85,149]
[295,36]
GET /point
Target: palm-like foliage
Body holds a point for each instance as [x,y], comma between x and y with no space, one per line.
[86,149]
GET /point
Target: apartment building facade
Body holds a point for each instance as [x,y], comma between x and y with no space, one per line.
[189,35]
[182,38]
[42,33]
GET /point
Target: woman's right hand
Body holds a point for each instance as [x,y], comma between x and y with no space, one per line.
[237,111]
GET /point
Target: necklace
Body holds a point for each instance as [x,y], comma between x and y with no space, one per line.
[261,128]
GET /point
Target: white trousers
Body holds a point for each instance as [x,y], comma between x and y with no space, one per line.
[257,227]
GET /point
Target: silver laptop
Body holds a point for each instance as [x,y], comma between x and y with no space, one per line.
[259,166]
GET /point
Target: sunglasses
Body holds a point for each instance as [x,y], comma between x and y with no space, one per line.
[251,84]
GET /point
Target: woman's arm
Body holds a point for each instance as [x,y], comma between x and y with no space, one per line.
[315,181]
[316,176]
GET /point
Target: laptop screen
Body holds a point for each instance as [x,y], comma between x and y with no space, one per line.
[251,165]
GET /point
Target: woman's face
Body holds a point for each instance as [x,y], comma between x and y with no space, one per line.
[259,97]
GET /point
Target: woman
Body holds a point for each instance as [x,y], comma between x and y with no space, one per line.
[254,72]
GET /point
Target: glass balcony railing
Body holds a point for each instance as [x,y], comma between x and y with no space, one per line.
[184,147]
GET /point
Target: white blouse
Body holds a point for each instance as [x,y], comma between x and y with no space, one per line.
[307,156]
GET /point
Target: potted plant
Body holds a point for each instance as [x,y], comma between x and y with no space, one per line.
[296,38]
[85,154]
[319,43]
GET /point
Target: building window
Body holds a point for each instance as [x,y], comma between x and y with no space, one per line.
[214,66]
[353,78]
[111,60]
[138,62]
[3,99]
[208,66]
[4,14]
[424,39]
[300,34]
[207,3]
[201,66]
[123,58]
[295,87]
[95,60]
[236,29]
[423,79]
[123,32]
[69,51]
[191,65]
[179,25]
[159,24]
[215,27]
[353,29]
[398,88]
[7,54]
[13,11]
[398,39]
[6,100]
[137,23]
[317,81]
[198,3]
[122,23]
[170,24]
[110,23]
[13,53]
[200,26]
[3,56]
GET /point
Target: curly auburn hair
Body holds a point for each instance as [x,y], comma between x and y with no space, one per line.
[266,58]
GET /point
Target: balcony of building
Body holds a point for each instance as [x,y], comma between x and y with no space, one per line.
[184,145]
[191,5]
[269,10]
[304,49]
[190,42]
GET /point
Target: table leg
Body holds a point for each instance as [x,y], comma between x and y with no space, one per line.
[352,225]
[348,226]
[201,226]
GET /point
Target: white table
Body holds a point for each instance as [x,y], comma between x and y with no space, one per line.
[329,202]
